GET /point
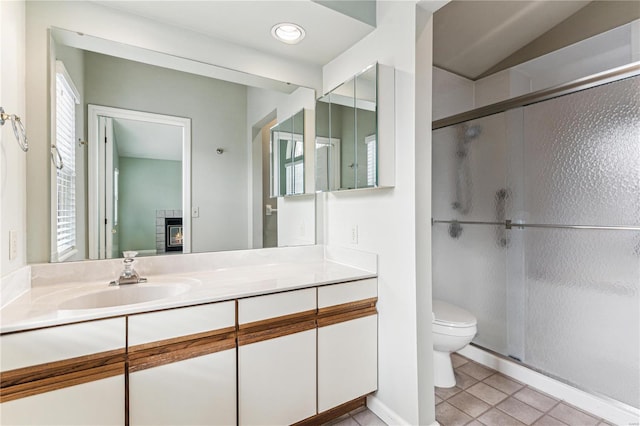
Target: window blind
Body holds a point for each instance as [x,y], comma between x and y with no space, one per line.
[66,177]
[371,160]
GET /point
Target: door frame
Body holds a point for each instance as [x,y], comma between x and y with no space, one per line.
[97,164]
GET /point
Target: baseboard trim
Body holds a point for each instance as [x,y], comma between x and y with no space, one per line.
[608,410]
[385,413]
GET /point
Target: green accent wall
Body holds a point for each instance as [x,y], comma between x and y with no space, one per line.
[146,186]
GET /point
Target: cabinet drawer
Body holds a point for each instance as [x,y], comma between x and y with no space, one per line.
[338,294]
[156,326]
[48,345]
[262,308]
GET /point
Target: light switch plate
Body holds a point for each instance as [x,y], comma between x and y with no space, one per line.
[354,234]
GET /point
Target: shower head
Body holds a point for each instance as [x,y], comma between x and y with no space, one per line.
[472,132]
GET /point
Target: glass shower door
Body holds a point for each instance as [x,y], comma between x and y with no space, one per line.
[471,200]
[536,218]
[582,168]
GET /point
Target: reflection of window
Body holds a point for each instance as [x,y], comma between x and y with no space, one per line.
[65,211]
[371,160]
[294,163]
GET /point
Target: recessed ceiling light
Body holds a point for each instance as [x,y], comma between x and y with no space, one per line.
[287,32]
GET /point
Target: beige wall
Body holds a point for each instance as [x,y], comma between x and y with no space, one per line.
[13,159]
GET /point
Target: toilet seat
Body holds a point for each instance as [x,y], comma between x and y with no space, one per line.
[451,316]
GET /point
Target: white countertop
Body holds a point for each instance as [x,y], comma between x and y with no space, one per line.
[40,305]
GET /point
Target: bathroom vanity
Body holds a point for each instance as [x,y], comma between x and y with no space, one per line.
[273,342]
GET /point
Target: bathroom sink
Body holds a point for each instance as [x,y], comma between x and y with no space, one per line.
[123,295]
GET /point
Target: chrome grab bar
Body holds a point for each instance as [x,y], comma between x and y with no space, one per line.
[508,224]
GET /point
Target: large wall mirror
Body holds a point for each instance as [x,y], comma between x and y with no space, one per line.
[186,164]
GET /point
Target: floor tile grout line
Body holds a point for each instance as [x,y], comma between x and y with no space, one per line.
[538,418]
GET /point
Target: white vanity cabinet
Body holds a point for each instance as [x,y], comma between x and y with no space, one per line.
[277,358]
[347,342]
[182,366]
[65,375]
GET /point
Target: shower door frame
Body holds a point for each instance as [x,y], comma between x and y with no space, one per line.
[615,74]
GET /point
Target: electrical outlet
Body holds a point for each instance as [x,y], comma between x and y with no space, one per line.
[13,244]
[195,211]
[354,234]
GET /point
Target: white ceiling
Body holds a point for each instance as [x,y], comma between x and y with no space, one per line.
[141,139]
[472,36]
[248,23]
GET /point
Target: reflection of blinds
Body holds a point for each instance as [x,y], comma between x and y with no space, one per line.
[295,177]
[65,178]
[371,160]
[298,173]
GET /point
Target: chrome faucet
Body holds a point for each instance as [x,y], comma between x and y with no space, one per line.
[128,275]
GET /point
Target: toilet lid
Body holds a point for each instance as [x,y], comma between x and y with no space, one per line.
[451,315]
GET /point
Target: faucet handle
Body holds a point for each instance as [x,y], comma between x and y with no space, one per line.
[129,254]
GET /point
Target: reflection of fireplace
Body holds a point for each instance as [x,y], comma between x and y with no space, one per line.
[173,234]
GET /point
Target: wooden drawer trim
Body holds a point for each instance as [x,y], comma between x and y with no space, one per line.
[271,328]
[246,338]
[333,413]
[168,351]
[284,320]
[61,381]
[58,368]
[347,311]
[220,333]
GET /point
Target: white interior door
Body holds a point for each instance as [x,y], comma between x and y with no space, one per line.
[99,244]
[110,205]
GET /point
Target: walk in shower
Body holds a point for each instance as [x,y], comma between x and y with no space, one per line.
[536,230]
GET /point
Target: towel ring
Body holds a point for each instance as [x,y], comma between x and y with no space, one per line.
[18,128]
[57,158]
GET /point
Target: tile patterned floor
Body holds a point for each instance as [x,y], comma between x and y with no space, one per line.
[360,417]
[483,396]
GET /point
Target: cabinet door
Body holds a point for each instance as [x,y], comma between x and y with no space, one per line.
[196,391]
[182,366]
[277,380]
[347,342]
[277,358]
[347,361]
[100,402]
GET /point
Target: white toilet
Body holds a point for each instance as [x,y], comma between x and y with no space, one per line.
[453,329]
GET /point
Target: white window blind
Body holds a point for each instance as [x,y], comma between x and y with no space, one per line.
[66,100]
[371,160]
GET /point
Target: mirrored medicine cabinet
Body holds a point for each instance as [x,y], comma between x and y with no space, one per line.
[353,135]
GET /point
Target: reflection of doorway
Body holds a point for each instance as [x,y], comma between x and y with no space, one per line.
[151,153]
